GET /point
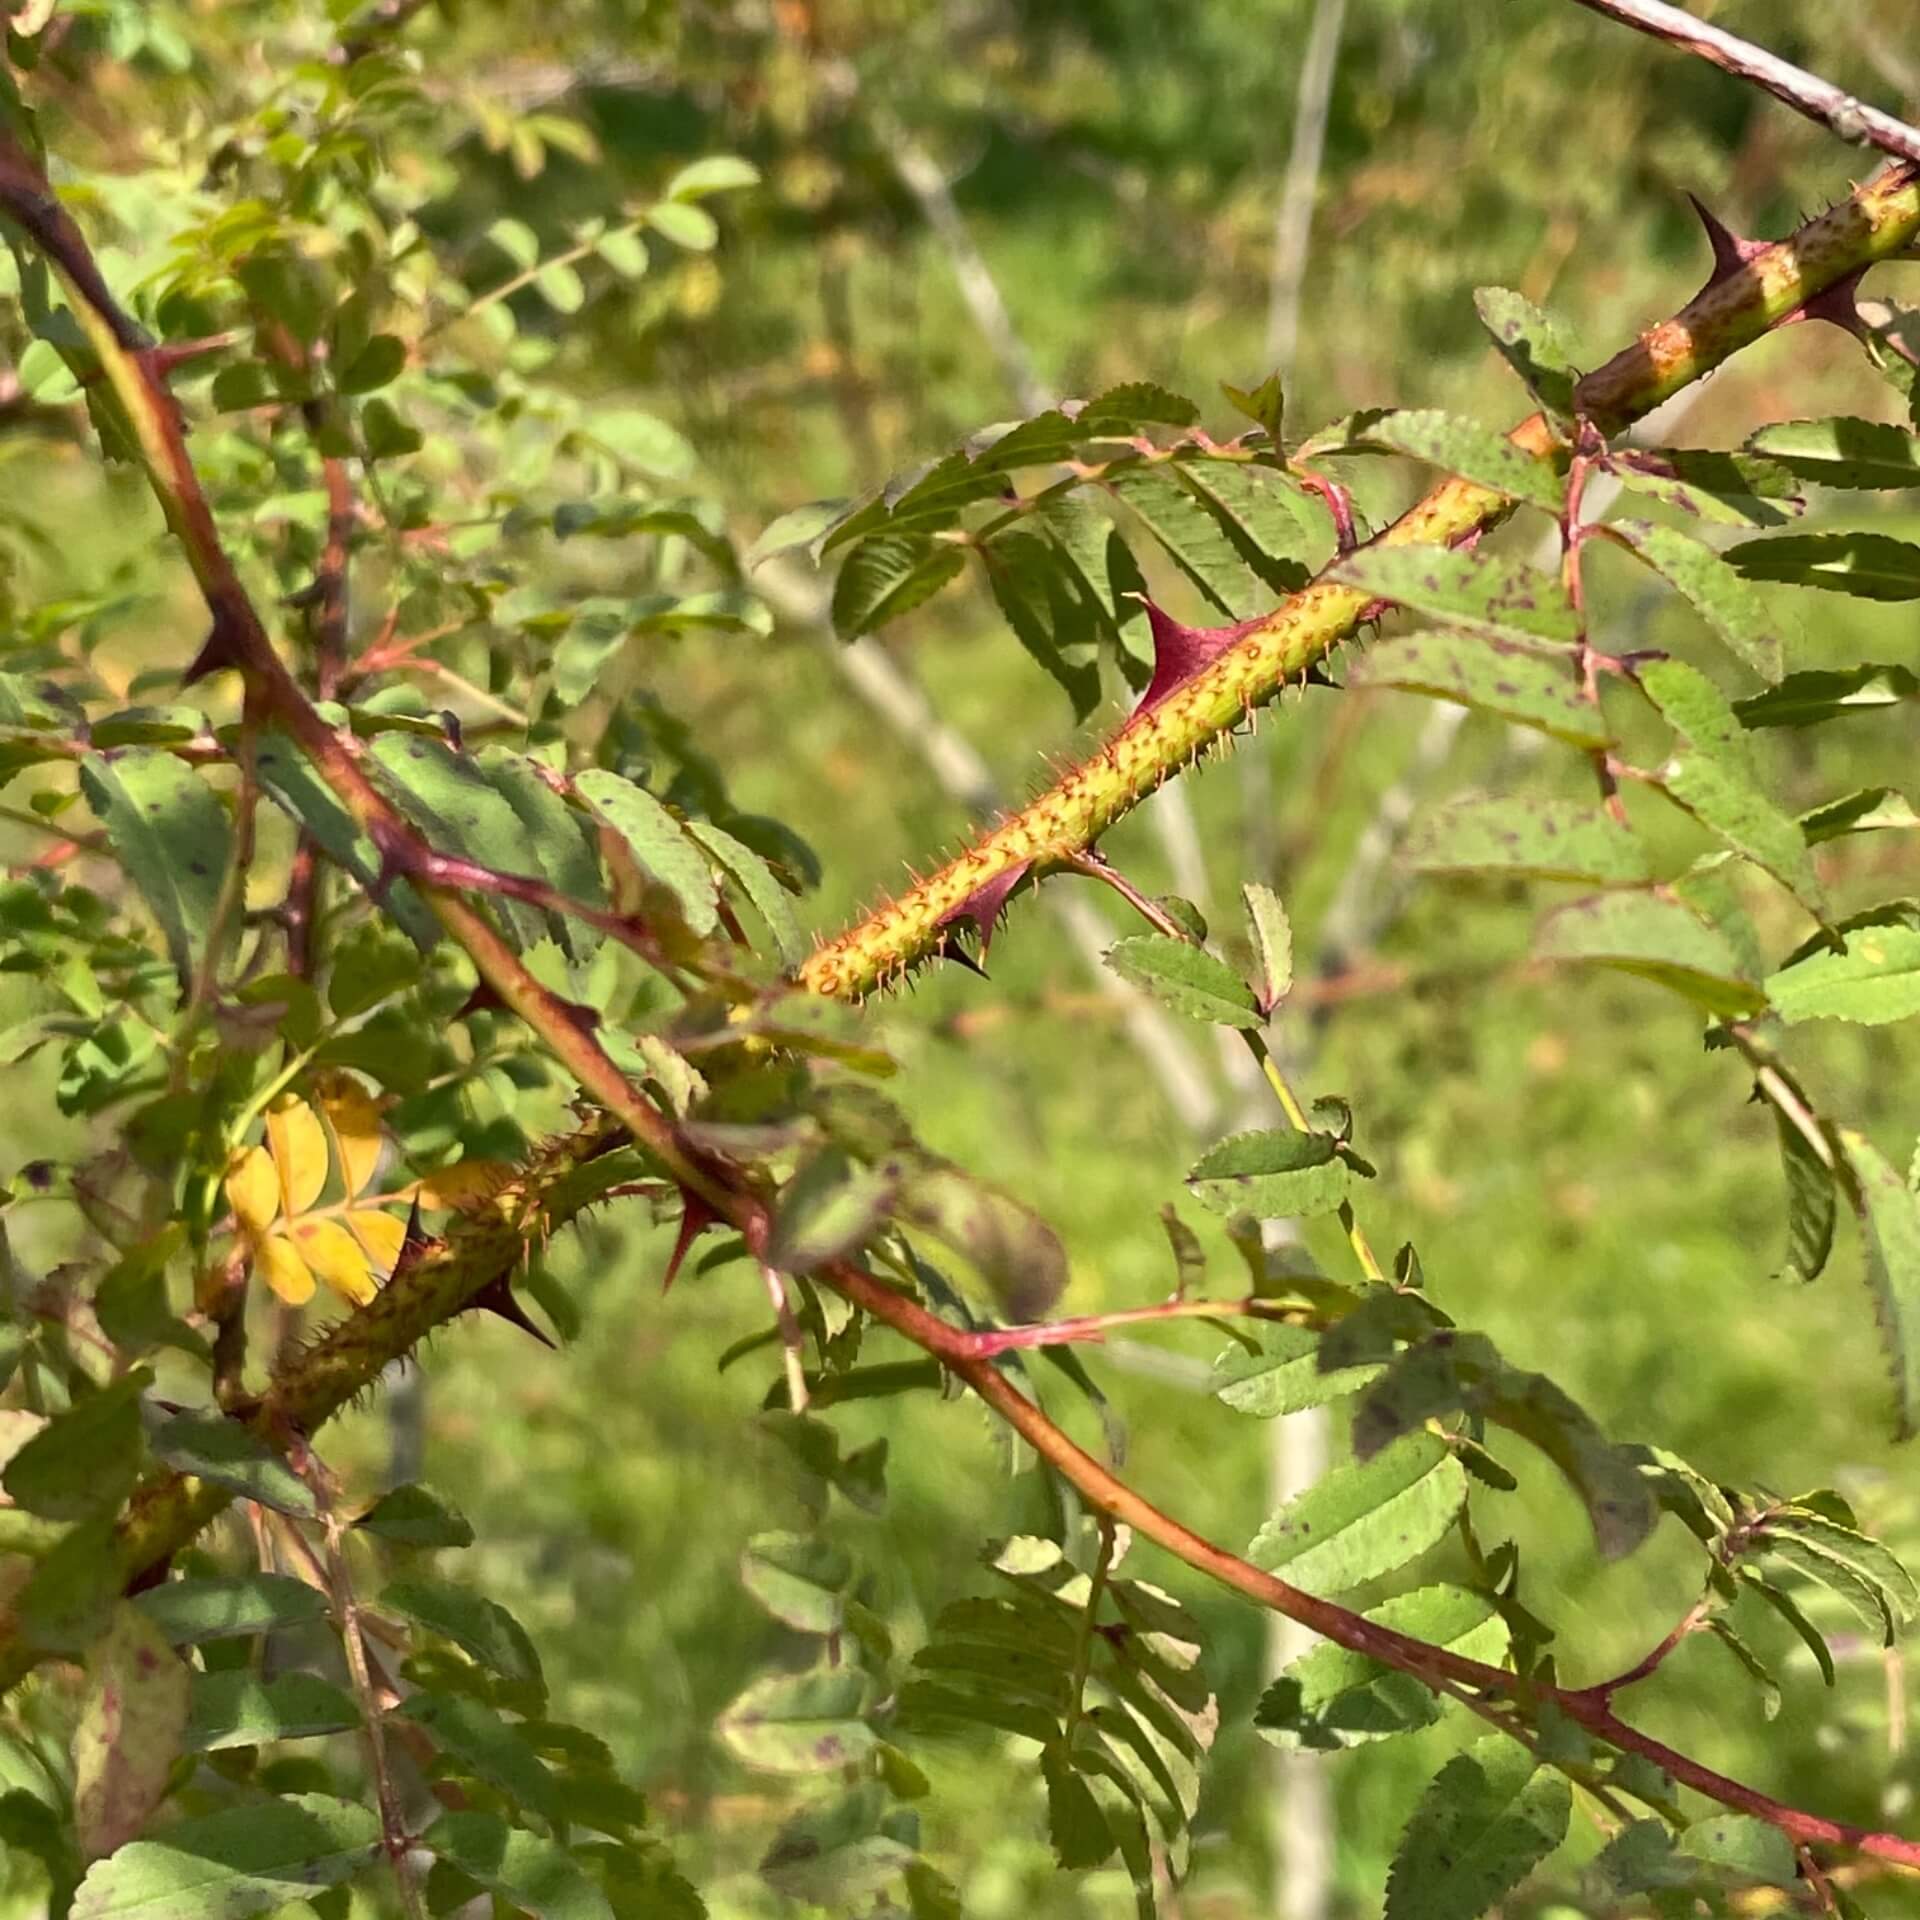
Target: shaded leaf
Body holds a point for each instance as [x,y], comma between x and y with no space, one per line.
[1811,1202]
[230,1606]
[1726,489]
[799,1578]
[482,1627]
[85,1459]
[236,1708]
[1848,453]
[128,1736]
[1532,344]
[829,1208]
[1754,1849]
[533,1875]
[1284,1374]
[1806,699]
[1192,536]
[416,1517]
[657,841]
[1869,566]
[888,576]
[1652,935]
[231,1455]
[754,878]
[481,1743]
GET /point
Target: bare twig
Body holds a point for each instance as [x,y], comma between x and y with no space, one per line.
[1820,100]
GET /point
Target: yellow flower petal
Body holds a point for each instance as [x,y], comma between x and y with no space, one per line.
[253,1191]
[283,1269]
[336,1256]
[353,1115]
[381,1234]
[299,1145]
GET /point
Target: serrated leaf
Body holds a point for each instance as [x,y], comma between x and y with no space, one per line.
[1862,1555]
[1025,575]
[1186,978]
[1331,1698]
[1284,1375]
[1848,453]
[1462,447]
[800,1722]
[1873,980]
[1784,1605]
[1869,810]
[1364,1520]
[1755,1668]
[754,878]
[800,1579]
[1638,1859]
[1725,489]
[1716,783]
[481,1743]
[85,1459]
[1489,1818]
[128,1735]
[797,527]
[889,575]
[1192,537]
[231,1455]
[533,1875]
[416,1517]
[482,1627]
[1752,1848]
[1525,684]
[1713,585]
[227,1865]
[1531,343]
[1654,936]
[171,836]
[1481,593]
[559,841]
[1806,699]
[657,841]
[189,1612]
[1868,566]
[1137,403]
[1273,1175]
[1265,405]
[1537,839]
[1812,1203]
[1264,515]
[236,1708]
[1270,934]
[1075,1825]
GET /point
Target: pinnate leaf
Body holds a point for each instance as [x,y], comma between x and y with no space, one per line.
[1283,1374]
[482,1627]
[1186,978]
[1462,447]
[1868,566]
[1489,1818]
[1849,453]
[888,576]
[1365,1519]
[531,1874]
[657,841]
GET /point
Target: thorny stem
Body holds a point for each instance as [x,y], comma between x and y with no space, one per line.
[431,1284]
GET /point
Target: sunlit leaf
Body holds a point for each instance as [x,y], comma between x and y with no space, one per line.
[1526,684]
[1272,1175]
[1484,594]
[1713,585]
[1538,839]
[1531,343]
[1186,978]
[132,1717]
[1657,938]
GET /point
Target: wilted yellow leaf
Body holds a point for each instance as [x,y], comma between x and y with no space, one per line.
[285,1272]
[381,1235]
[336,1256]
[353,1115]
[299,1146]
[253,1191]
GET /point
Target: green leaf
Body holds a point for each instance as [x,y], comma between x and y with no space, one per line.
[215,1448]
[1462,447]
[1656,937]
[1897,1596]
[236,1708]
[559,841]
[829,1208]
[1075,1824]
[1538,839]
[224,1866]
[1265,405]
[1724,489]
[840,1853]
[1271,935]
[1186,978]
[1713,585]
[1014,1251]
[482,1627]
[1784,1605]
[798,527]
[1331,1698]
[481,1743]
[624,251]
[1136,403]
[84,1460]
[1274,1175]
[1756,1669]
[128,1734]
[754,878]
[800,1722]
[1283,1375]
[1811,1202]
[189,1612]
[1489,1818]
[172,836]
[1752,1848]
[713,173]
[1193,538]
[1266,518]
[1638,1859]
[516,240]
[657,841]
[1806,699]
[416,1517]
[1716,783]
[1526,685]
[1869,810]
[1843,452]
[378,364]
[800,1579]
[1531,343]
[68,1603]
[532,1875]
[889,575]
[1873,980]
[1364,1520]
[1480,593]
[684,224]
[1869,566]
